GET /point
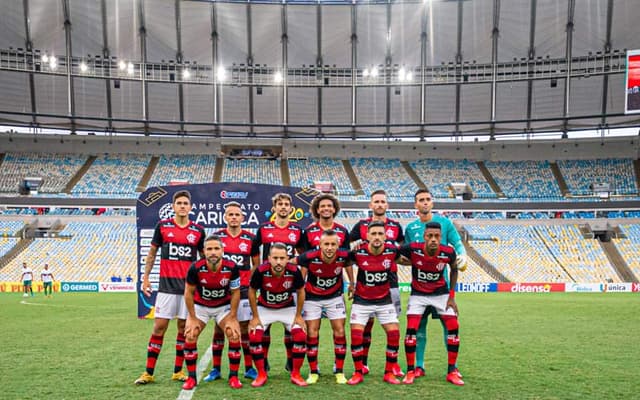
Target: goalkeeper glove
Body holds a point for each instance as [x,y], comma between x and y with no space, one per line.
[461,262]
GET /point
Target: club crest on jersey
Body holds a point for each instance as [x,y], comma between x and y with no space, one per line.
[337,271]
[386,264]
[441,266]
[224,282]
[292,237]
[389,233]
[243,247]
[286,285]
[191,238]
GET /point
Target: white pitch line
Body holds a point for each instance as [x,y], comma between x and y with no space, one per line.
[200,371]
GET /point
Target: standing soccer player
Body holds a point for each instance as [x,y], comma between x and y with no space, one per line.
[27,280]
[281,230]
[180,241]
[322,269]
[212,291]
[47,281]
[393,232]
[429,289]
[372,296]
[449,236]
[324,208]
[277,280]
[237,244]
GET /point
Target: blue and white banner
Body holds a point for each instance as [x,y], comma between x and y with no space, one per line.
[79,287]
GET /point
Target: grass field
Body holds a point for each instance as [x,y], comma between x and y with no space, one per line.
[513,346]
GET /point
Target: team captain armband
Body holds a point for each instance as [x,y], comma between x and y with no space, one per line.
[234,284]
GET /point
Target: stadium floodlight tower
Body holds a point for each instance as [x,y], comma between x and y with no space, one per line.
[461,190]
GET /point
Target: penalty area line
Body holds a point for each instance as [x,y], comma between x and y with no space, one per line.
[202,369]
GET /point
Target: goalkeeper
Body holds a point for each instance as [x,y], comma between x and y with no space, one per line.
[415,233]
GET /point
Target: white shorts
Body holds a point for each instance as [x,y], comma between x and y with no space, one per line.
[170,306]
[206,314]
[417,304]
[395,299]
[386,313]
[285,315]
[333,308]
[244,311]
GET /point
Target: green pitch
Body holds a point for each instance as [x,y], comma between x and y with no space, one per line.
[513,346]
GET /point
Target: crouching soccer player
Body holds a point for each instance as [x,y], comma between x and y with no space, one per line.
[277,280]
[212,291]
[429,289]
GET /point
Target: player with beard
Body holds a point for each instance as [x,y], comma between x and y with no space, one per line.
[280,230]
[372,298]
[415,233]
[277,280]
[180,241]
[393,232]
[324,208]
[429,288]
[237,244]
[322,269]
[212,292]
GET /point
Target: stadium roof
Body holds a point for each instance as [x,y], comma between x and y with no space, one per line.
[317,69]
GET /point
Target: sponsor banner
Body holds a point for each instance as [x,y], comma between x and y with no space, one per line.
[530,287]
[635,287]
[632,83]
[405,287]
[476,287]
[16,287]
[617,287]
[207,210]
[117,287]
[79,286]
[583,287]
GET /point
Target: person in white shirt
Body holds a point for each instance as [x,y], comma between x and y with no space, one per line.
[27,279]
[47,281]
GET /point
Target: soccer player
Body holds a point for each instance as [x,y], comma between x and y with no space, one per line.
[429,289]
[212,291]
[237,244]
[415,233]
[393,232]
[281,230]
[180,241]
[324,208]
[277,280]
[322,268]
[27,280]
[47,280]
[372,296]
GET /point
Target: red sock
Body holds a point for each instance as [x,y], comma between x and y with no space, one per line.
[177,366]
[153,350]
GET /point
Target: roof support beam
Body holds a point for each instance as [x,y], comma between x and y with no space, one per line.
[29,47]
[71,103]
[142,31]
[250,70]
[531,55]
[569,51]
[216,69]
[423,66]
[319,64]
[495,34]
[605,79]
[179,61]
[458,67]
[387,76]
[354,66]
[285,62]
[106,60]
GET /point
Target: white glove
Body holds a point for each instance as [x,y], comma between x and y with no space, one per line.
[461,262]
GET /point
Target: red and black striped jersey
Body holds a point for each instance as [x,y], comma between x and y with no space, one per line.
[276,291]
[392,230]
[427,272]
[268,233]
[213,288]
[237,249]
[179,247]
[312,233]
[324,280]
[373,279]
